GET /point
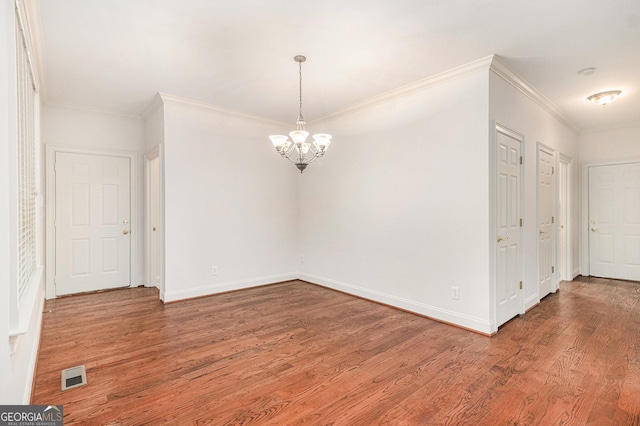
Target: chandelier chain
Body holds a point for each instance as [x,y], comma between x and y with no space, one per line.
[300,117]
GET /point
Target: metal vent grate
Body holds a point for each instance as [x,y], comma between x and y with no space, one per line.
[73,377]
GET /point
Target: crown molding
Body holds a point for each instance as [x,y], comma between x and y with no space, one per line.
[202,106]
[614,127]
[481,64]
[503,71]
[155,103]
[93,109]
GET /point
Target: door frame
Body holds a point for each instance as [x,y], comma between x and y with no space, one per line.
[568,187]
[554,211]
[584,226]
[50,255]
[156,153]
[493,248]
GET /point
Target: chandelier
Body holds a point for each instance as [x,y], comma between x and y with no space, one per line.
[298,150]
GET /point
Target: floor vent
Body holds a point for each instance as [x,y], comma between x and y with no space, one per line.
[74,377]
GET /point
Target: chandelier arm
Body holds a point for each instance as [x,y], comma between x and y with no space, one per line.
[314,158]
[289,154]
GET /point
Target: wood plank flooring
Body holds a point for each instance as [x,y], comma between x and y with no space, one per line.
[295,353]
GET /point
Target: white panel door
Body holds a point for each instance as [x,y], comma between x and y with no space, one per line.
[508,230]
[546,248]
[614,221]
[92,222]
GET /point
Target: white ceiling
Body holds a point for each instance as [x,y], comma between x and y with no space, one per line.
[115,55]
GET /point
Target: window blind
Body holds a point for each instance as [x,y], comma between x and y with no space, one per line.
[27,172]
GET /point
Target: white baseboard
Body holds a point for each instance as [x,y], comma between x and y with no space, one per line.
[575,273]
[434,312]
[207,290]
[530,302]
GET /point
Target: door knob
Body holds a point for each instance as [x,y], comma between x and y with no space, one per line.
[126,231]
[594,229]
[542,233]
[502,239]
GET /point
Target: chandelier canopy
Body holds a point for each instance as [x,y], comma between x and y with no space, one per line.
[298,150]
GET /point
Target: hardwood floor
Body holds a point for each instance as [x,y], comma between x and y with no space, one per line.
[295,353]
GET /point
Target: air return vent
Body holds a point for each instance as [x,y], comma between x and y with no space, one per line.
[74,377]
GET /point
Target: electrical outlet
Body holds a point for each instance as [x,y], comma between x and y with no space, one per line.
[455,293]
[214,270]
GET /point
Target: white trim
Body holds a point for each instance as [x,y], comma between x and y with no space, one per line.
[554,208]
[163,246]
[531,301]
[482,64]
[434,312]
[26,30]
[51,205]
[208,290]
[29,15]
[33,356]
[192,103]
[26,304]
[492,249]
[503,71]
[93,110]
[609,128]
[155,103]
[569,231]
[148,278]
[584,225]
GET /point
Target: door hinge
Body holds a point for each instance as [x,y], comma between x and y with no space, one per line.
[553,269]
[521,159]
[520,223]
[553,170]
[520,285]
[553,219]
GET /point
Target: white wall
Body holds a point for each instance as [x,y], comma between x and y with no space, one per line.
[397,211]
[230,202]
[64,126]
[511,108]
[610,144]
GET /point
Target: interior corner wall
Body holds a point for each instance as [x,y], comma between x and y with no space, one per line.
[70,127]
[515,110]
[397,210]
[230,202]
[616,144]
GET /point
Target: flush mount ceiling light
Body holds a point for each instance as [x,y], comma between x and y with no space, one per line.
[298,150]
[587,71]
[604,98]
